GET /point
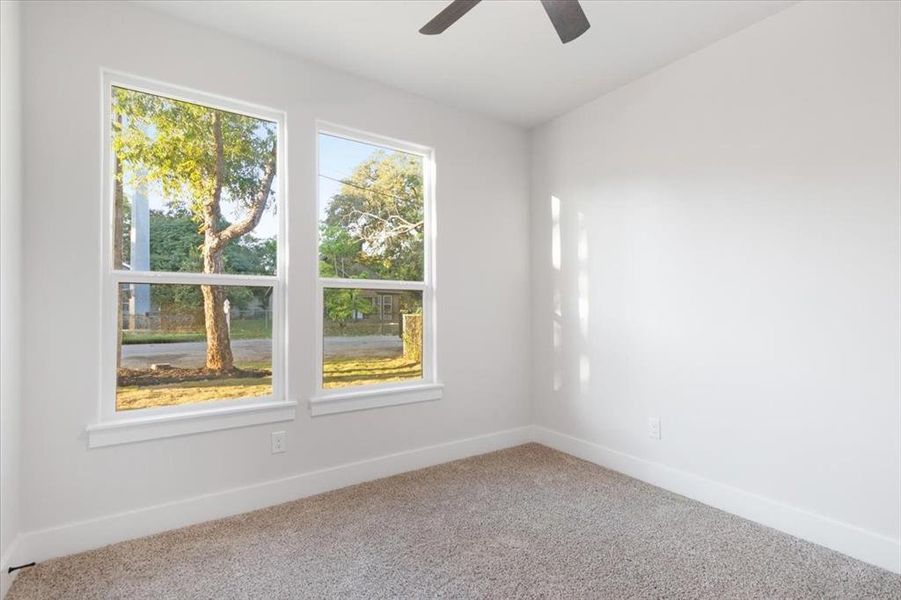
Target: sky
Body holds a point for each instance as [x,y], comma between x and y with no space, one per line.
[338,158]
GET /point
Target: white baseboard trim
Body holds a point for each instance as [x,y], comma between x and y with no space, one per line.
[858,543]
[6,561]
[80,536]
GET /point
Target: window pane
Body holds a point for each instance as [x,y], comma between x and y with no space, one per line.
[371,336]
[165,354]
[174,209]
[371,211]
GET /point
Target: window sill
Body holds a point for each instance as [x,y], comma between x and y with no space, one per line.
[333,403]
[164,426]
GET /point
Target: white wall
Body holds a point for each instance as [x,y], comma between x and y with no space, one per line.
[11,287]
[729,262]
[738,276]
[482,270]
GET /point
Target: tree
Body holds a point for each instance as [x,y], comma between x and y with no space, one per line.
[343,305]
[175,245]
[373,226]
[201,157]
[339,253]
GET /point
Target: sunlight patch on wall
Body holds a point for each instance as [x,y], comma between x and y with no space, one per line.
[582,254]
[583,278]
[557,318]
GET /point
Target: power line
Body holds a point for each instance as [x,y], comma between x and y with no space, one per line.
[359,187]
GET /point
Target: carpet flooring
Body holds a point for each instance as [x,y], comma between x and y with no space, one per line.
[527,522]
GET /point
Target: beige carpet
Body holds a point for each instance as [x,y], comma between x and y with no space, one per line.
[527,522]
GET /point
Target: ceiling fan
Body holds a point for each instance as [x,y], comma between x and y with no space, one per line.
[566,15]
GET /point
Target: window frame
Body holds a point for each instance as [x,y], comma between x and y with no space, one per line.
[335,400]
[275,407]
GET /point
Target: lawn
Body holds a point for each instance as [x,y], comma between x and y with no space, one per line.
[241,329]
[345,372]
[132,397]
[338,373]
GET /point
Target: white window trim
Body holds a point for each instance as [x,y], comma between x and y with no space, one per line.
[373,397]
[109,433]
[331,401]
[115,427]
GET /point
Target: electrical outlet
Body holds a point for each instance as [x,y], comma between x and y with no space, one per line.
[278,442]
[654,427]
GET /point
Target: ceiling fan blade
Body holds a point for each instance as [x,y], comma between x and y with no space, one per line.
[448,16]
[568,18]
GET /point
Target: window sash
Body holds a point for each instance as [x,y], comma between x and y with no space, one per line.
[112,276]
[109,376]
[426,285]
[429,370]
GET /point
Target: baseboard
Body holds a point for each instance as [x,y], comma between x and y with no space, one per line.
[858,543]
[86,535]
[6,561]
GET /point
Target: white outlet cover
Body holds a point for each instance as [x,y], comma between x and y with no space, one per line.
[278,442]
[654,427]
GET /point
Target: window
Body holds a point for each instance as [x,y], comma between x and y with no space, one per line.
[375,285]
[193,272]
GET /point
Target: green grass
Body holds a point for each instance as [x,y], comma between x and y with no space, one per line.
[241,329]
[345,372]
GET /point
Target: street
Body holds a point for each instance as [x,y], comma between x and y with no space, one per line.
[193,354]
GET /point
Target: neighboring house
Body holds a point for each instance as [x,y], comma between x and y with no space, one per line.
[385,304]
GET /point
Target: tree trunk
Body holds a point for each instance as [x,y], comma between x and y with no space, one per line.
[218,346]
[219,356]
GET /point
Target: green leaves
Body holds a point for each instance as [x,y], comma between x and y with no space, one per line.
[374,226]
[175,245]
[171,144]
[343,305]
[339,253]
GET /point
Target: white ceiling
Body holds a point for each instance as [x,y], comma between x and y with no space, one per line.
[503,58]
